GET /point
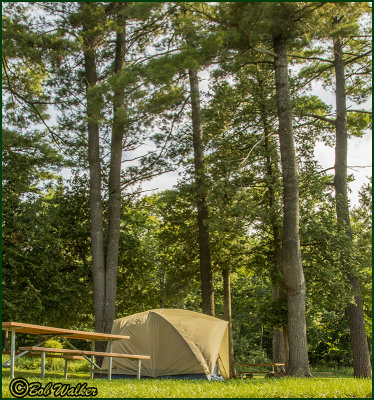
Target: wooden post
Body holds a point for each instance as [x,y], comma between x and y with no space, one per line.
[92,359]
[110,361]
[66,369]
[43,365]
[139,367]
[12,352]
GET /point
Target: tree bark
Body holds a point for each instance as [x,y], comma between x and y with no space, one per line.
[227,316]
[286,347]
[278,343]
[291,255]
[114,187]
[271,181]
[356,318]
[201,195]
[162,281]
[96,211]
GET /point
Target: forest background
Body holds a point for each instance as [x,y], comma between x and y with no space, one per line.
[107,95]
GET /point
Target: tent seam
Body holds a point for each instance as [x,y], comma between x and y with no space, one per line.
[189,347]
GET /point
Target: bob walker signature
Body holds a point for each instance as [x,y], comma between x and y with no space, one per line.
[20,387]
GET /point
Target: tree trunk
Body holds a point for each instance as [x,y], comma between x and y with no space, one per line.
[162,289]
[278,339]
[279,355]
[96,211]
[276,273]
[114,207]
[201,195]
[359,343]
[227,317]
[291,255]
[286,348]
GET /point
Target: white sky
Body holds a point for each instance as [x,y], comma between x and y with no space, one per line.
[359,151]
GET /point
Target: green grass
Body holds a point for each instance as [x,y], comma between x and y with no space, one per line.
[318,387]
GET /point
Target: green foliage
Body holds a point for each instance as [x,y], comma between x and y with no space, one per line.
[42,233]
[358,123]
[53,344]
[362,249]
[33,365]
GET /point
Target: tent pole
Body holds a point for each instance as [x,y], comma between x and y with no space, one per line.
[139,367]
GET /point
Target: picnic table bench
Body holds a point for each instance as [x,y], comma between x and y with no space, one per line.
[66,334]
[42,351]
[67,358]
[274,372]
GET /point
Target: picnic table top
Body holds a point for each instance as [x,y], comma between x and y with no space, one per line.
[67,333]
[260,365]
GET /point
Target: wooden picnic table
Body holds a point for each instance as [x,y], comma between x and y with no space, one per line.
[66,333]
[274,366]
[92,337]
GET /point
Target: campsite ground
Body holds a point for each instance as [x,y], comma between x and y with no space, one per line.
[340,384]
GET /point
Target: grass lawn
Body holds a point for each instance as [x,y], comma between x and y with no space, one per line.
[318,387]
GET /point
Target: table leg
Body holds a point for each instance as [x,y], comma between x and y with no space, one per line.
[85,357]
[43,365]
[7,363]
[92,359]
[66,370]
[139,367]
[12,352]
[110,361]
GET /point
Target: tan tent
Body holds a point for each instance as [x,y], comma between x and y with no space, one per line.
[180,342]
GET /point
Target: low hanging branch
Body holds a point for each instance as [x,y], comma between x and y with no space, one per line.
[31,104]
[171,130]
[312,58]
[144,177]
[262,50]
[250,151]
[349,166]
[317,74]
[320,117]
[360,111]
[357,57]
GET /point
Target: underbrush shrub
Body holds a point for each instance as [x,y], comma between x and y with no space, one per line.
[79,366]
[253,356]
[52,364]
[26,363]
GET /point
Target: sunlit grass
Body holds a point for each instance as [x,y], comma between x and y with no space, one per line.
[326,387]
